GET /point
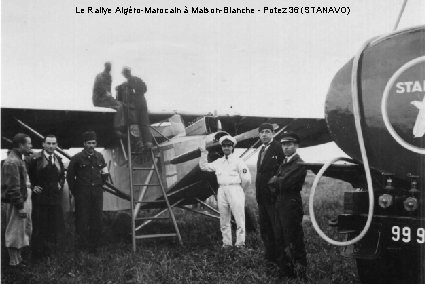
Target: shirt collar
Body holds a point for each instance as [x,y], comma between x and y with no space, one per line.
[87,153]
[230,157]
[47,154]
[18,154]
[290,157]
[265,146]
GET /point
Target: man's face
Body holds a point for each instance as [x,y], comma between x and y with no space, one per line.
[108,67]
[289,148]
[26,147]
[266,136]
[227,149]
[50,145]
[90,145]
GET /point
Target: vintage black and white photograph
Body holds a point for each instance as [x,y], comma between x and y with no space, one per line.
[201,141]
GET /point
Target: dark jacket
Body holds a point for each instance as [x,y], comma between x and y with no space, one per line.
[51,184]
[102,84]
[85,170]
[273,158]
[290,178]
[137,86]
[14,180]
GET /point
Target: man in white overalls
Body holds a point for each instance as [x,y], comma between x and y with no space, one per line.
[233,178]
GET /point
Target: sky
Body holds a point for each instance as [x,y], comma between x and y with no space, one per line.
[253,64]
[261,64]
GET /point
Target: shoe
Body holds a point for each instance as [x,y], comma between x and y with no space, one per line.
[226,246]
[19,266]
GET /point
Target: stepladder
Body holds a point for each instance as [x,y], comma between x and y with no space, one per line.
[149,200]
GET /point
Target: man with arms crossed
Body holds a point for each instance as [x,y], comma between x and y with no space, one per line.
[289,212]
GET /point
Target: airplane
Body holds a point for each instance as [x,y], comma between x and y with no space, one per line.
[178,137]
[374,112]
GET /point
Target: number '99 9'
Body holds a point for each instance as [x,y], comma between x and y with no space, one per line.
[404,234]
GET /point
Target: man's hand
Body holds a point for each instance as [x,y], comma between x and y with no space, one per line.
[22,214]
[37,189]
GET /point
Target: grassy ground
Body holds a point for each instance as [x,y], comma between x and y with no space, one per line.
[200,260]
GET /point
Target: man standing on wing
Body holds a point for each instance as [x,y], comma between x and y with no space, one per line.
[289,212]
[137,89]
[233,178]
[270,158]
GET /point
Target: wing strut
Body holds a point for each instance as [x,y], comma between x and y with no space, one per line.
[108,187]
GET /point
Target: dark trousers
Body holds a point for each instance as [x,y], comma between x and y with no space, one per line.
[289,233]
[267,230]
[143,118]
[138,113]
[48,228]
[88,216]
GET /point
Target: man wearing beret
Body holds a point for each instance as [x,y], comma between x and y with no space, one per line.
[86,175]
[270,158]
[289,212]
[233,178]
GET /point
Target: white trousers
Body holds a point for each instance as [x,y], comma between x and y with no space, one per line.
[231,198]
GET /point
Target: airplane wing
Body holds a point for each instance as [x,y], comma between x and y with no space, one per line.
[312,131]
[68,125]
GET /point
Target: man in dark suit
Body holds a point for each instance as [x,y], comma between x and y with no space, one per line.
[47,175]
[288,208]
[270,157]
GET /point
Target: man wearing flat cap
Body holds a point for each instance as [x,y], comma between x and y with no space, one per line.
[270,158]
[289,212]
[233,177]
[85,177]
[137,89]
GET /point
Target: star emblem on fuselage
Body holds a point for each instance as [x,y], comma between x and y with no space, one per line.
[419,125]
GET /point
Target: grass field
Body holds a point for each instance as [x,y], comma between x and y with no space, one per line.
[200,260]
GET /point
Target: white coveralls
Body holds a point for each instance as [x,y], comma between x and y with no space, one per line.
[233,176]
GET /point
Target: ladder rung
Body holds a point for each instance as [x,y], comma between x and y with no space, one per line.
[146,184]
[155,201]
[151,218]
[155,236]
[143,169]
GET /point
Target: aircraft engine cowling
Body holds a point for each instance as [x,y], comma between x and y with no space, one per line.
[391,97]
[212,142]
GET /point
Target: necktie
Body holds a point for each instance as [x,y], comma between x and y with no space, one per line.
[262,154]
[285,160]
[50,160]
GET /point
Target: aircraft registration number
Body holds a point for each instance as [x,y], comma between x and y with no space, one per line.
[407,234]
